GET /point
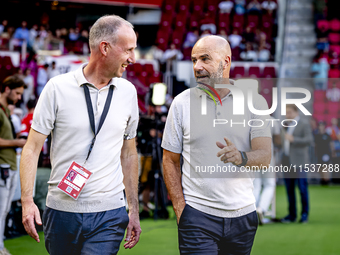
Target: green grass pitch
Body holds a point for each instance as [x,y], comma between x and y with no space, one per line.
[319,237]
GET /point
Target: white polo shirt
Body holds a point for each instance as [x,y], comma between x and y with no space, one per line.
[219,193]
[62,111]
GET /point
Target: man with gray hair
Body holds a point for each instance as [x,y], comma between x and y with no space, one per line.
[87,215]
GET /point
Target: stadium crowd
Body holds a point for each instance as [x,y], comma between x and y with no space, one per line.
[41,37]
[249,26]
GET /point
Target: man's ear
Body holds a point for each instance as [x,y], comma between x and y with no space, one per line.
[104,46]
[227,62]
[7,91]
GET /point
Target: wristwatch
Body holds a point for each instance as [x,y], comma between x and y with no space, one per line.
[244,159]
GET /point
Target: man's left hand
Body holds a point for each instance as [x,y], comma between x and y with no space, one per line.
[289,137]
[133,231]
[229,153]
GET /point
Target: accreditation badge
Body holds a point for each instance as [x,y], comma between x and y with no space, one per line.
[74,180]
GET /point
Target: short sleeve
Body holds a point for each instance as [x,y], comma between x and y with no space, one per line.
[173,131]
[261,124]
[131,128]
[46,110]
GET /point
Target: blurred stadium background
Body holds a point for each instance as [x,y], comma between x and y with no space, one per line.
[280,43]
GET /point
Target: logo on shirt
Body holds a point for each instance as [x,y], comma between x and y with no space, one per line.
[209,93]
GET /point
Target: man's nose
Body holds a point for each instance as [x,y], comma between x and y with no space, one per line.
[198,67]
[132,58]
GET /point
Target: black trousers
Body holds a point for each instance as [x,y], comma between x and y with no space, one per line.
[201,233]
[291,181]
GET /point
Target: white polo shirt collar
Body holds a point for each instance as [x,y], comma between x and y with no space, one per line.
[81,80]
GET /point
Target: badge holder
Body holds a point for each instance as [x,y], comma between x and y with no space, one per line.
[74,180]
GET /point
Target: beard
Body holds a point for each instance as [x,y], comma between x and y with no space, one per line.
[212,78]
[9,98]
[10,101]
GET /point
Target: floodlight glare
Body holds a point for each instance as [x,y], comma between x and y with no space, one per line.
[158,93]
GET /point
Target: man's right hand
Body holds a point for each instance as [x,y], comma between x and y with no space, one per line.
[20,142]
[30,213]
[178,211]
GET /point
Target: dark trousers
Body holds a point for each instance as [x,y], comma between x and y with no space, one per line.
[201,233]
[69,233]
[302,184]
[291,180]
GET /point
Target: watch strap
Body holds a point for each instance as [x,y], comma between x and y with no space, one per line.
[244,159]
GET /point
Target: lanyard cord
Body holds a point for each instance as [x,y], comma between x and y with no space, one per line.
[91,114]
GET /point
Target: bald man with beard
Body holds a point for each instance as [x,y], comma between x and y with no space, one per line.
[215,210]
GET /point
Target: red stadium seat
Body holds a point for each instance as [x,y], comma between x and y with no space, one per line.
[238,72]
[129,68]
[319,96]
[142,77]
[169,7]
[181,20]
[254,72]
[266,86]
[177,38]
[252,21]
[198,6]
[162,39]
[334,38]
[167,19]
[267,21]
[154,78]
[4,72]
[335,48]
[141,105]
[235,56]
[143,81]
[163,32]
[267,26]
[166,23]
[224,17]
[148,68]
[334,25]
[194,22]
[269,72]
[211,9]
[238,23]
[319,117]
[334,73]
[187,53]
[333,108]
[162,44]
[183,7]
[130,75]
[319,107]
[269,33]
[322,24]
[137,68]
[224,22]
[7,62]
